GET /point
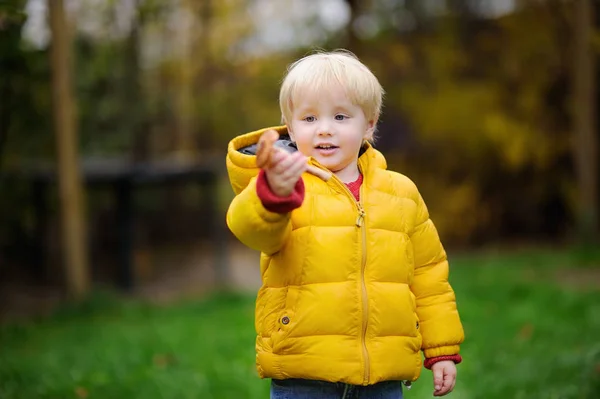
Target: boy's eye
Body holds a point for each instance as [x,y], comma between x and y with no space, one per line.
[340,117]
[309,118]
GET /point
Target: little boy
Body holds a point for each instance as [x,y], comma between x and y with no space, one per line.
[355,279]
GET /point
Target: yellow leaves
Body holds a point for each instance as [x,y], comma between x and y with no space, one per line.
[503,109]
[445,57]
[518,143]
[509,138]
[452,112]
[469,116]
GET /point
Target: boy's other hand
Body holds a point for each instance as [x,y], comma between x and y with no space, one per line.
[284,171]
[444,377]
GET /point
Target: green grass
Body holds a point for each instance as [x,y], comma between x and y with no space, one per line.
[528,335]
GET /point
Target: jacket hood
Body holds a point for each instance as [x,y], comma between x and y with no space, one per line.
[241,156]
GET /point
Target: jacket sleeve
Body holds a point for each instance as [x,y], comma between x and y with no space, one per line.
[439,320]
[254,225]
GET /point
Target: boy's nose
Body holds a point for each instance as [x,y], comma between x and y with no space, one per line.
[324,128]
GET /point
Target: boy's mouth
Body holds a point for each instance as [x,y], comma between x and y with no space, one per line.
[326,150]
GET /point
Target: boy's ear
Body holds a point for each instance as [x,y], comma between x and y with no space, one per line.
[371,126]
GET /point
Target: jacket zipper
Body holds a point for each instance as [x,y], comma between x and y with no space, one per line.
[365,300]
[360,223]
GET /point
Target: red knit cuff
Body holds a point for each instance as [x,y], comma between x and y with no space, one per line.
[433,360]
[274,203]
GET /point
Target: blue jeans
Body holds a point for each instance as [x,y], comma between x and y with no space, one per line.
[311,389]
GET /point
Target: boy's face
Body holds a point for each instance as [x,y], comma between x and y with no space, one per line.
[330,128]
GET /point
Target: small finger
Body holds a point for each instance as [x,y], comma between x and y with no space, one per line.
[449,378]
[438,379]
[442,391]
[448,383]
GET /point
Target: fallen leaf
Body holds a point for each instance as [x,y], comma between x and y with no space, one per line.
[526,331]
[163,360]
[81,392]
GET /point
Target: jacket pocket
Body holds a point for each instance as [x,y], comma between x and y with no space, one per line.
[279,336]
[270,304]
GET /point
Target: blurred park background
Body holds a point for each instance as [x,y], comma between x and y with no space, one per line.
[118,277]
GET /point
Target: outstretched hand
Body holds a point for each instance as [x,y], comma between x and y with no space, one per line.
[444,377]
[282,169]
[285,171]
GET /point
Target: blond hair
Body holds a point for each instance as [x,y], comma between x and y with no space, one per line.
[322,70]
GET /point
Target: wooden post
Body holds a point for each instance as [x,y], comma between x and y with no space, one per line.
[185,147]
[586,142]
[69,179]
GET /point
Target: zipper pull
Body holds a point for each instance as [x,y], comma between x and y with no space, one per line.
[361,216]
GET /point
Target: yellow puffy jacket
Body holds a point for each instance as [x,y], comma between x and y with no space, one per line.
[352,291]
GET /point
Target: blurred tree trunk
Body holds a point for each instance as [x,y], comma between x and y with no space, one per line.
[133,94]
[184,142]
[207,128]
[586,142]
[69,179]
